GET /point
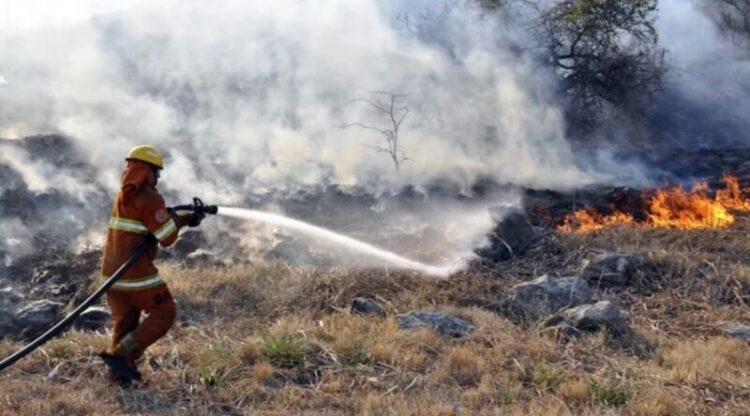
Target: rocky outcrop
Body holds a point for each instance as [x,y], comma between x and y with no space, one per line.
[36,317]
[534,300]
[593,317]
[612,269]
[512,235]
[367,306]
[446,325]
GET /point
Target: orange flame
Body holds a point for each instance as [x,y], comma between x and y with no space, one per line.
[671,208]
[732,196]
[587,220]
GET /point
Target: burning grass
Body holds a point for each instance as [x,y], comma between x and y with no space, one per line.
[268,339]
[672,207]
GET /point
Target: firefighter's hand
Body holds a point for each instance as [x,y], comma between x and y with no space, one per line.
[195,219]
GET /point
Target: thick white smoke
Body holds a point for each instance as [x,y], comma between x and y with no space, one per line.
[251,97]
[247,96]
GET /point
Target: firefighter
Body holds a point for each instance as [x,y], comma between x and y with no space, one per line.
[138,211]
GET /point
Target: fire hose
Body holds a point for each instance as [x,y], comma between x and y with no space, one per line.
[197,207]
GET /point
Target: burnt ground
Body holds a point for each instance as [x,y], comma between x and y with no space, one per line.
[690,285]
[58,269]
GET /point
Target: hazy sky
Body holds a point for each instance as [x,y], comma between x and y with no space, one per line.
[24,15]
[18,16]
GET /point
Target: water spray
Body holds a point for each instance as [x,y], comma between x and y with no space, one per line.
[342,240]
[199,208]
[314,231]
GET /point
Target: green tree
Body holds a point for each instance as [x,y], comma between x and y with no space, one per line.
[606,53]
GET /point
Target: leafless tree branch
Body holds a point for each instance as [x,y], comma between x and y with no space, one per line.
[395,115]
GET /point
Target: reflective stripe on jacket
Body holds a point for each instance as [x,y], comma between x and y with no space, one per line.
[138,210]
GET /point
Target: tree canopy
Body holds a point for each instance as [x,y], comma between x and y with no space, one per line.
[605,53]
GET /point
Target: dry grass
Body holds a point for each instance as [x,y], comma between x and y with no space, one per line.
[274,340]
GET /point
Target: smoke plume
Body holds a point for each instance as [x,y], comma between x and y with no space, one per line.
[251,99]
[251,96]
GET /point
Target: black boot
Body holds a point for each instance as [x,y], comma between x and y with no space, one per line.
[122,371]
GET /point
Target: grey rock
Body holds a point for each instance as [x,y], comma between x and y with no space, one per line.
[543,296]
[612,269]
[737,330]
[603,314]
[367,306]
[93,318]
[444,324]
[36,317]
[512,236]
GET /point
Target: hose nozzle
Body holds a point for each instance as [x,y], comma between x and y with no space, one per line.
[198,207]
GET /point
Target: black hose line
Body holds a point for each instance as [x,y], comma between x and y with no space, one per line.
[60,326]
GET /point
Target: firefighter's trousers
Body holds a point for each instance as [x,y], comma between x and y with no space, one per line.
[131,336]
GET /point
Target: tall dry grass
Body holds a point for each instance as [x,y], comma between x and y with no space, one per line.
[269,339]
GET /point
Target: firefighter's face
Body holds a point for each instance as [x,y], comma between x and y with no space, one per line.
[153,176]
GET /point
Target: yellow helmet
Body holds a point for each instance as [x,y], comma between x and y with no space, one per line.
[147,153]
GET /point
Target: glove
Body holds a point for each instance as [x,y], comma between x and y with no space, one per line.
[196,218]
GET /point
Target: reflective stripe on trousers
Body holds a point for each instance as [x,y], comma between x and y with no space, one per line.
[138,284]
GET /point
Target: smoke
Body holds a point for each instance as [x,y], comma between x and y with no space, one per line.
[37,175]
[707,99]
[15,241]
[248,96]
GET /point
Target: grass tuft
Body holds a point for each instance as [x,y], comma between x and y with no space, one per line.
[611,392]
[285,350]
[547,378]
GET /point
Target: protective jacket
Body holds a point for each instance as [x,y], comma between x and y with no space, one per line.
[139,209]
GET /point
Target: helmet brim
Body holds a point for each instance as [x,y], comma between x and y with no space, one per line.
[132,159]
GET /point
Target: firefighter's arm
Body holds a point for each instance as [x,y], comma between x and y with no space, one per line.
[161,223]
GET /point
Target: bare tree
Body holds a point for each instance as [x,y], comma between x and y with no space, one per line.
[386,104]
